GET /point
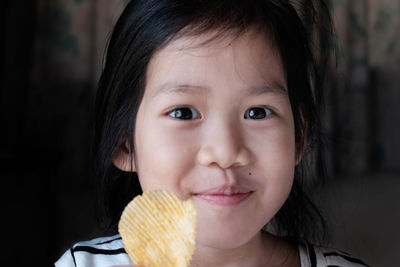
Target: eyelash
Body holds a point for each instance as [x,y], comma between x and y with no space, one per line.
[175,110]
[268,112]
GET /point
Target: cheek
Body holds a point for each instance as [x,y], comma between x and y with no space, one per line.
[278,186]
[276,157]
[163,158]
[275,148]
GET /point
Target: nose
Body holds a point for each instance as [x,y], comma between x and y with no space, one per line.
[223,145]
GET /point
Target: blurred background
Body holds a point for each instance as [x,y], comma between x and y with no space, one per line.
[51,58]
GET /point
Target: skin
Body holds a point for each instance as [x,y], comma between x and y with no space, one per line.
[217,85]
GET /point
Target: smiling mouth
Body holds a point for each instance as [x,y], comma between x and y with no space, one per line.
[224,199]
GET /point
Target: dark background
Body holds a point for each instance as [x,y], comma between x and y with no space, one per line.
[51,57]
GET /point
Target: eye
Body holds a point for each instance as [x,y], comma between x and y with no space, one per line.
[184,113]
[258,113]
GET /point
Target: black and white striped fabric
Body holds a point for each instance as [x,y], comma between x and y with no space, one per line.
[103,251]
[313,256]
[109,251]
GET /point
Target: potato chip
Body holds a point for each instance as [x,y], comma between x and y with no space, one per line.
[158,229]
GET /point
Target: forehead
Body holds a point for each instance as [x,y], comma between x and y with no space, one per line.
[250,58]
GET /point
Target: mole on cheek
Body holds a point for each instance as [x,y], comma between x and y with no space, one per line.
[249,173]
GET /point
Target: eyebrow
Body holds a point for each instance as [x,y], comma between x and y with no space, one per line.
[173,88]
[274,88]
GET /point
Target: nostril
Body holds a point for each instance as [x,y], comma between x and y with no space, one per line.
[223,159]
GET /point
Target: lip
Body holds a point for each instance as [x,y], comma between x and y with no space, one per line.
[225,196]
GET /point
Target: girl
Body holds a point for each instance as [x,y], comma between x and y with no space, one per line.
[216,101]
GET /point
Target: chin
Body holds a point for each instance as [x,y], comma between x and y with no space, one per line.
[225,238]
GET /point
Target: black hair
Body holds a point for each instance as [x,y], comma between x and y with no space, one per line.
[146,26]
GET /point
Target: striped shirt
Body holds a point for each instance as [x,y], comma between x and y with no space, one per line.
[109,251]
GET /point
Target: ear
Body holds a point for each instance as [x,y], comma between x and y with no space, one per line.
[124,159]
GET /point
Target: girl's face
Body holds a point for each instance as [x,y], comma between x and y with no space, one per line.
[215,125]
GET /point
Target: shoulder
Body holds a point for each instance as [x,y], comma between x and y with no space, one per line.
[103,251]
[317,256]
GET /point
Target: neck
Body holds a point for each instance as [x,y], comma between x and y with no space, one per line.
[263,250]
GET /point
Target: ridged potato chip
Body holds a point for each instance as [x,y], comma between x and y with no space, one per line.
[158,229]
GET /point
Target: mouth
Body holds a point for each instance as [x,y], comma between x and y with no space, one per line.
[224,196]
